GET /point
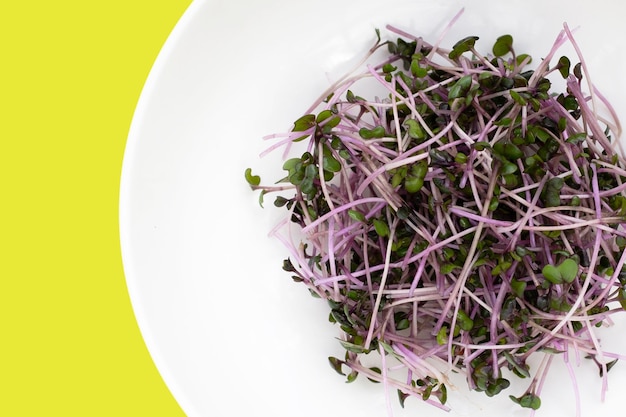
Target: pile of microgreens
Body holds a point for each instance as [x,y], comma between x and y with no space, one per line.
[467,220]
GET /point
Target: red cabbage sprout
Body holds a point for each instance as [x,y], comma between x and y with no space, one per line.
[466,220]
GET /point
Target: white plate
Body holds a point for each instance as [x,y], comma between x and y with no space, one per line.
[227,328]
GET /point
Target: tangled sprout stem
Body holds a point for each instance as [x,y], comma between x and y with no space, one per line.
[466,220]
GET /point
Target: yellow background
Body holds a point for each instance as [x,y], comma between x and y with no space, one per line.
[70,76]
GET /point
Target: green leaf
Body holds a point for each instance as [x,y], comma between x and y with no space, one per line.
[305,122]
[387,348]
[464,321]
[528,401]
[509,309]
[497,387]
[508,168]
[562,124]
[427,391]
[522,57]
[404,48]
[460,158]
[543,87]
[578,72]
[356,215]
[413,184]
[609,365]
[503,45]
[280,201]
[381,227]
[351,347]
[522,251]
[462,46]
[460,88]
[577,138]
[480,262]
[517,98]
[502,267]
[481,146]
[568,269]
[518,288]
[519,366]
[512,151]
[397,178]
[323,115]
[541,133]
[448,253]
[375,133]
[420,169]
[440,158]
[416,69]
[291,164]
[564,66]
[402,396]
[414,129]
[352,376]
[403,324]
[388,68]
[511,180]
[447,268]
[442,336]
[330,124]
[307,185]
[481,383]
[377,370]
[552,274]
[443,397]
[465,223]
[505,121]
[494,203]
[552,197]
[336,365]
[331,164]
[253,180]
